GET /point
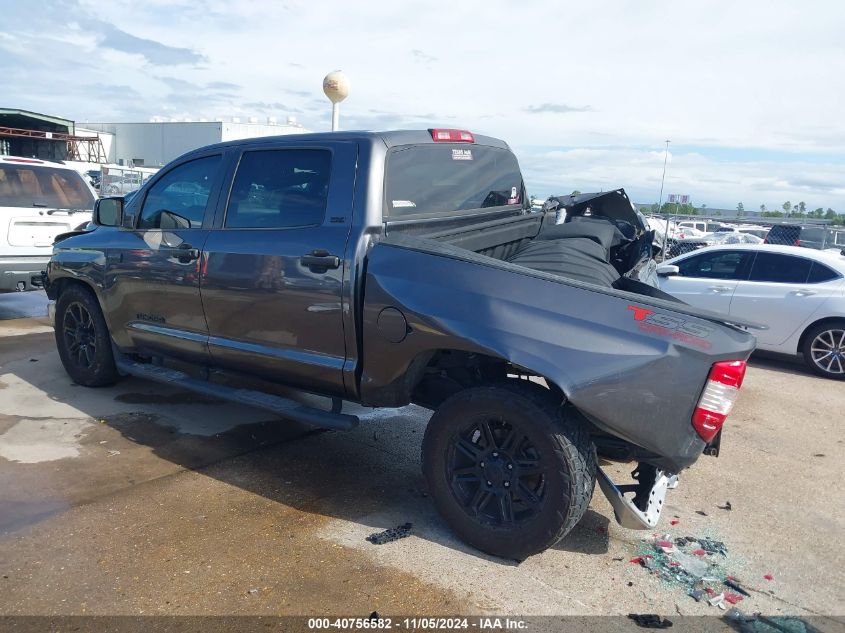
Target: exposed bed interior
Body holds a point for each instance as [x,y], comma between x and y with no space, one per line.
[596,243]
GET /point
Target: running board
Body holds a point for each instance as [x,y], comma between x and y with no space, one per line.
[284,407]
[629,515]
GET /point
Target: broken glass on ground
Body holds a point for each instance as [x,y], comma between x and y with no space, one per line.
[695,563]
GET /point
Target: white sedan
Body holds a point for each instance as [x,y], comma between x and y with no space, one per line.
[799,293]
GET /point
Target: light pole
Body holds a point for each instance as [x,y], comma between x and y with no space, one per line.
[660,204]
[336,87]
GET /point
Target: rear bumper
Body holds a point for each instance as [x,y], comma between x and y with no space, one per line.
[22,273]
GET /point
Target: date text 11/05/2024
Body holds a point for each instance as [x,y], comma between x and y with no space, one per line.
[376,622]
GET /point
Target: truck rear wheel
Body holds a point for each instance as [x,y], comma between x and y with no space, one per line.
[509,473]
[82,338]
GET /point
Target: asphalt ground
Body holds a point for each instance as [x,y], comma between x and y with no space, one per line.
[141,499]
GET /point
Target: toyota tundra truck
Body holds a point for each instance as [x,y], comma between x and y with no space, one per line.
[407,267]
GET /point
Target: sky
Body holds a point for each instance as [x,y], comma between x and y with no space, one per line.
[751,94]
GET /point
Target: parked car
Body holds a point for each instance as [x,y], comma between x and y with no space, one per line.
[38,201]
[818,237]
[398,267]
[711,239]
[93,176]
[116,185]
[798,293]
[703,226]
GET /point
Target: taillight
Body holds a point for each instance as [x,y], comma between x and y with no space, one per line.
[452,136]
[718,398]
[797,243]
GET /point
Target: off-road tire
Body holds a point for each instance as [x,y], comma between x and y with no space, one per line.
[565,456]
[88,359]
[811,342]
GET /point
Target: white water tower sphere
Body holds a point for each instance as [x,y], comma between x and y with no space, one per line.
[336,86]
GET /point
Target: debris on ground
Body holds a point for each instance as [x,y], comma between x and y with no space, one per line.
[733,583]
[758,623]
[393,534]
[113,453]
[717,599]
[675,521]
[695,563]
[727,506]
[650,620]
[713,547]
[701,512]
[769,577]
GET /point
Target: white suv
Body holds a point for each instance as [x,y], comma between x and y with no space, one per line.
[38,201]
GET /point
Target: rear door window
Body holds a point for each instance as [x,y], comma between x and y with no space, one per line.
[716,265]
[820,273]
[39,186]
[179,199]
[776,268]
[443,178]
[279,189]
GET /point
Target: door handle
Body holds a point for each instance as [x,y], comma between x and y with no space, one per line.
[319,260]
[720,288]
[187,253]
[803,293]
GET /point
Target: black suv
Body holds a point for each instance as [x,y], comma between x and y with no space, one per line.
[818,237]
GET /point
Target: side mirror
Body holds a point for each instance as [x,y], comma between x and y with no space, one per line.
[668,270]
[108,211]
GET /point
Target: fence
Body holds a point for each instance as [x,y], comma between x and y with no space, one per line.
[118,181]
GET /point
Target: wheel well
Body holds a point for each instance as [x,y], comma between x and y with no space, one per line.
[449,371]
[60,285]
[825,321]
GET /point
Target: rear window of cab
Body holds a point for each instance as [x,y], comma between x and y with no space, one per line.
[444,178]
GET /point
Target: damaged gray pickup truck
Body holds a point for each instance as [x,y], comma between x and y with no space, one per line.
[406,267]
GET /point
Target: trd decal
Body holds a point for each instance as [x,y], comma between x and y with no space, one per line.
[672,326]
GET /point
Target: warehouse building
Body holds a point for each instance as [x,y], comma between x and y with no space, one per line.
[35,135]
[156,143]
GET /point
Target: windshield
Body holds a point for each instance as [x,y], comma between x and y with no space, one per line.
[40,186]
[447,177]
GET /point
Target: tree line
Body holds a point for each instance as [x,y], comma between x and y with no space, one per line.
[787,210]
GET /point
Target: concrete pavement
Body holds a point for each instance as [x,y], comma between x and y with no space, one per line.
[143,499]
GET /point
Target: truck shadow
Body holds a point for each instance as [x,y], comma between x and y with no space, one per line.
[369,477]
[362,481]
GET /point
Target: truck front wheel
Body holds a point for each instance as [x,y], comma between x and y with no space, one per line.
[82,338]
[509,473]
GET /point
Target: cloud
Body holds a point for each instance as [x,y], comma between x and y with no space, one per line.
[422,57]
[154,52]
[715,182]
[558,108]
[272,105]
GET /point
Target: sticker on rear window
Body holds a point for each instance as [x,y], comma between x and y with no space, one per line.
[461,154]
[514,199]
[403,204]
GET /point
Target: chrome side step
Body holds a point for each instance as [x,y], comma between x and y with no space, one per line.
[284,407]
[629,515]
